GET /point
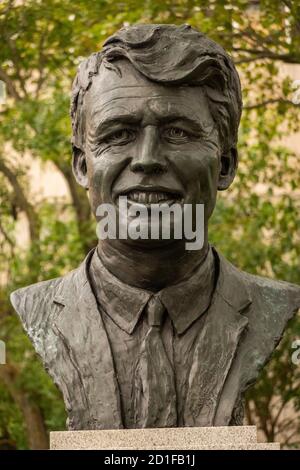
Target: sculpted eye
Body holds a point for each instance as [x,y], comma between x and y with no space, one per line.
[175,134]
[121,137]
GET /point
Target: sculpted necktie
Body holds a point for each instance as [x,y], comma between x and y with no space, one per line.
[154,391]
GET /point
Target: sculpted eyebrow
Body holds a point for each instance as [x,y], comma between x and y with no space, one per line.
[172,119]
[107,123]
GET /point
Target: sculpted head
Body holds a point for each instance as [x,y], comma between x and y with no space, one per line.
[155,116]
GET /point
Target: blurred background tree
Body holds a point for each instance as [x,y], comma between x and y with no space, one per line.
[256,223]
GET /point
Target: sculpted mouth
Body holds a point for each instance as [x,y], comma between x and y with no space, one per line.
[152,196]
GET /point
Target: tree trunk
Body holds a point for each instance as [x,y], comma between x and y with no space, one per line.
[22,201]
[36,432]
[81,206]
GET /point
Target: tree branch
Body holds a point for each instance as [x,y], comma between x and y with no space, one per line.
[6,236]
[270,101]
[248,413]
[277,416]
[16,59]
[295,433]
[80,203]
[10,86]
[22,201]
[262,54]
[41,65]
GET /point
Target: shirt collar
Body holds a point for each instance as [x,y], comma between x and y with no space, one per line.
[184,302]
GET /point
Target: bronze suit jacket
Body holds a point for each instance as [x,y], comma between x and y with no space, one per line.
[243,325]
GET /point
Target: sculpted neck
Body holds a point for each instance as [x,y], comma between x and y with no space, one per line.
[151,269]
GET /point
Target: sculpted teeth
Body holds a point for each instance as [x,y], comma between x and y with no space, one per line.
[151,197]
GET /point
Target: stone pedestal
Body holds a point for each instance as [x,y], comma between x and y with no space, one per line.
[212,438]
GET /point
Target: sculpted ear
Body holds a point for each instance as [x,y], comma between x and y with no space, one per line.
[228,169]
[79,167]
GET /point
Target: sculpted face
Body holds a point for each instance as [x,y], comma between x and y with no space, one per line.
[150,142]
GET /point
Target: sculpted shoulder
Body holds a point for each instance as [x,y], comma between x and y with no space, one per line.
[274,304]
[274,301]
[268,306]
[35,307]
[38,304]
[271,301]
[31,302]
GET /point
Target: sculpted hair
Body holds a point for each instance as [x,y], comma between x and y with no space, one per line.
[169,55]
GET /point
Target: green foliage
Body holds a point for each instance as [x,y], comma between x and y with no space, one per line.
[256,223]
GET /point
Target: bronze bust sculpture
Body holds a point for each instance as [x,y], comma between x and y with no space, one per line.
[147,333]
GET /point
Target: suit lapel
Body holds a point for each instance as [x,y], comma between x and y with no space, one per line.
[89,384]
[216,346]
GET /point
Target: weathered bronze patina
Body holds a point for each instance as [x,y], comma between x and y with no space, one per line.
[146,333]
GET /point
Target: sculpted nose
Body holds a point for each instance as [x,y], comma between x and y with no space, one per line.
[149,159]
